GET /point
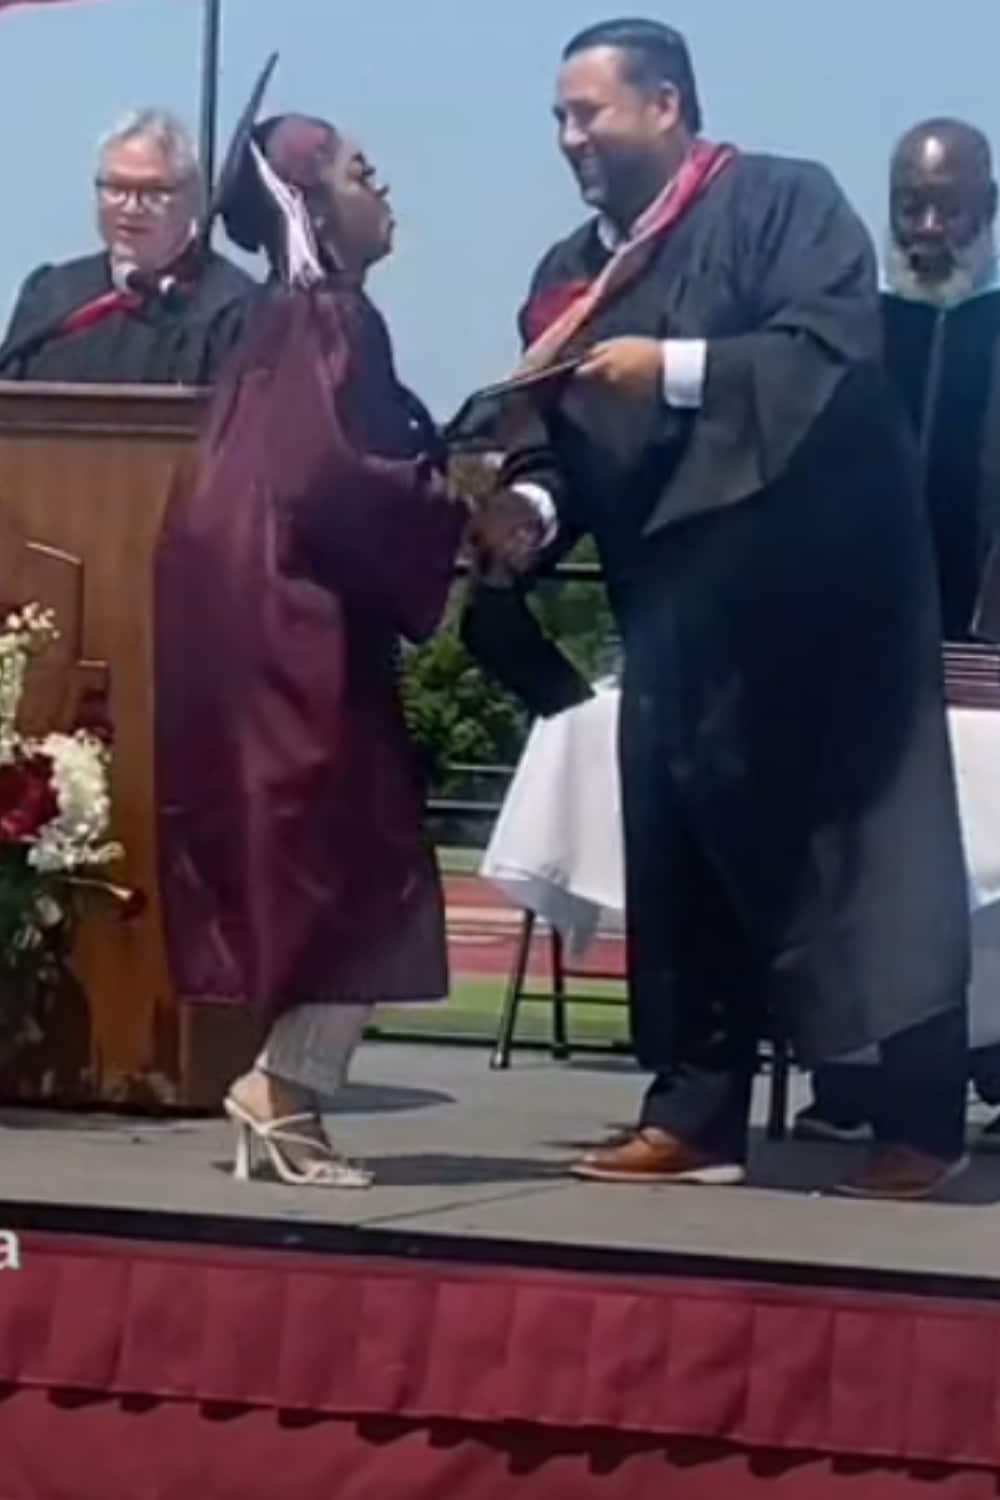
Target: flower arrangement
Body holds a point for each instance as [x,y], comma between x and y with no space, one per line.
[54,815]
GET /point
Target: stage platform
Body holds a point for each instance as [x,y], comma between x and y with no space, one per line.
[478,1324]
[476,1157]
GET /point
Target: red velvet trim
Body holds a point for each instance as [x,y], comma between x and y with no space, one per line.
[759,1366]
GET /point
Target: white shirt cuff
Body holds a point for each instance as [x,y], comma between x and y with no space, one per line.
[538,496]
[684,362]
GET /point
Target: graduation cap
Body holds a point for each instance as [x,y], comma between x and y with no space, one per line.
[261,209]
[236,180]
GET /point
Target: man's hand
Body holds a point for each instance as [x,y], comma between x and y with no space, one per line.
[506,531]
[633,367]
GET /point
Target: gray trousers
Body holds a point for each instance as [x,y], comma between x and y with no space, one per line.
[312,1045]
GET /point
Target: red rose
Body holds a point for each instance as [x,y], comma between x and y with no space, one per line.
[134,904]
[27,799]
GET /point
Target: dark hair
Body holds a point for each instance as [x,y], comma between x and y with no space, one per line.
[653,54]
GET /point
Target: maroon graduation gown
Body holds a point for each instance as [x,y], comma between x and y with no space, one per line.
[294,862]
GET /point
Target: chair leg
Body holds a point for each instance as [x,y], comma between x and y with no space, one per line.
[777,1120]
[512,999]
[560,1030]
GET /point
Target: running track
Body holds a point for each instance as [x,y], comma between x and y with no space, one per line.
[483,929]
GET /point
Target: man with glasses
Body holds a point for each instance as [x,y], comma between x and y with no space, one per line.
[156,305]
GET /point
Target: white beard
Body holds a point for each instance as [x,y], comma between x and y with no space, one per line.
[974,265]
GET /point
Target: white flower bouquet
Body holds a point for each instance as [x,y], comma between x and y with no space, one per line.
[55,812]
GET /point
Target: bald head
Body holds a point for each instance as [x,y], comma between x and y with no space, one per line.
[943,141]
[943,197]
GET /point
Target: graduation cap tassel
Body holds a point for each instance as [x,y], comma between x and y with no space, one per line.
[211,40]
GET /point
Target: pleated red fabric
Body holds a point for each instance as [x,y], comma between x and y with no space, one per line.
[131,1368]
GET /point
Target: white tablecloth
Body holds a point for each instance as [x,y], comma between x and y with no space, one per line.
[557,845]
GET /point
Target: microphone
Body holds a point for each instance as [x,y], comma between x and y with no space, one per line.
[145,284]
[124,279]
[122,274]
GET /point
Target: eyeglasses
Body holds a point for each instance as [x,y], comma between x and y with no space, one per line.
[155,200]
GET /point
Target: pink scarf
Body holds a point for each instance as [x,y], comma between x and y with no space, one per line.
[701,167]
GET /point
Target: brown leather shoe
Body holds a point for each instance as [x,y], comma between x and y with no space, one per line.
[654,1156]
[902,1174]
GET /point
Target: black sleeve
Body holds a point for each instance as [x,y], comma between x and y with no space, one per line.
[989,495]
[227,331]
[32,313]
[530,456]
[500,630]
[498,626]
[986,623]
[807,274]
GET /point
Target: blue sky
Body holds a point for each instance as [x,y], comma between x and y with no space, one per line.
[452,98]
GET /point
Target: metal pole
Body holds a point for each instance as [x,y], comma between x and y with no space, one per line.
[211,36]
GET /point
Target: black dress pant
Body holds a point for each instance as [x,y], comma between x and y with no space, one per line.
[699,988]
[848,1093]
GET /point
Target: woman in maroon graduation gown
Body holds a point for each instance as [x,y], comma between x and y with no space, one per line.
[296,874]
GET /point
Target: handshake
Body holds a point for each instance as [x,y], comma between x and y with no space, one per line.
[506,533]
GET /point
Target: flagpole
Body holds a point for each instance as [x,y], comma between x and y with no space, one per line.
[211,39]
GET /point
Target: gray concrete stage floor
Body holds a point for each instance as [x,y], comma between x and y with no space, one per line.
[462,1151]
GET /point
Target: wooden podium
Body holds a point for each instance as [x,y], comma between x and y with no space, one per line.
[85,474]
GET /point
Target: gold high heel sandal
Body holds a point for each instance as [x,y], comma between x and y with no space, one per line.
[254,1137]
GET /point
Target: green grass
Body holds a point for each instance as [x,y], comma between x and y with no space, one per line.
[473,1010]
[460,861]
[473,1007]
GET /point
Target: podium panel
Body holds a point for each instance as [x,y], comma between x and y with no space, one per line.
[85,475]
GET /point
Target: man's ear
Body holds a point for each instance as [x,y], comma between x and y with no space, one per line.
[670,103]
[992,201]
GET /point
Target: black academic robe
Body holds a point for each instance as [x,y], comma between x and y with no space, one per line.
[770,565]
[178,339]
[500,630]
[945,366]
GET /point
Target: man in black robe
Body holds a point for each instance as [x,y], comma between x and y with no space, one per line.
[791,827]
[941,316]
[156,305]
[941,313]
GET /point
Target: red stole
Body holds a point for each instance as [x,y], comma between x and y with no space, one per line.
[557,315]
[89,314]
[94,311]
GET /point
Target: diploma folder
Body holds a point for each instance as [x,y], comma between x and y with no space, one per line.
[478,424]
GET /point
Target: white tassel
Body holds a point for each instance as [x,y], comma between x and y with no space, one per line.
[304,266]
